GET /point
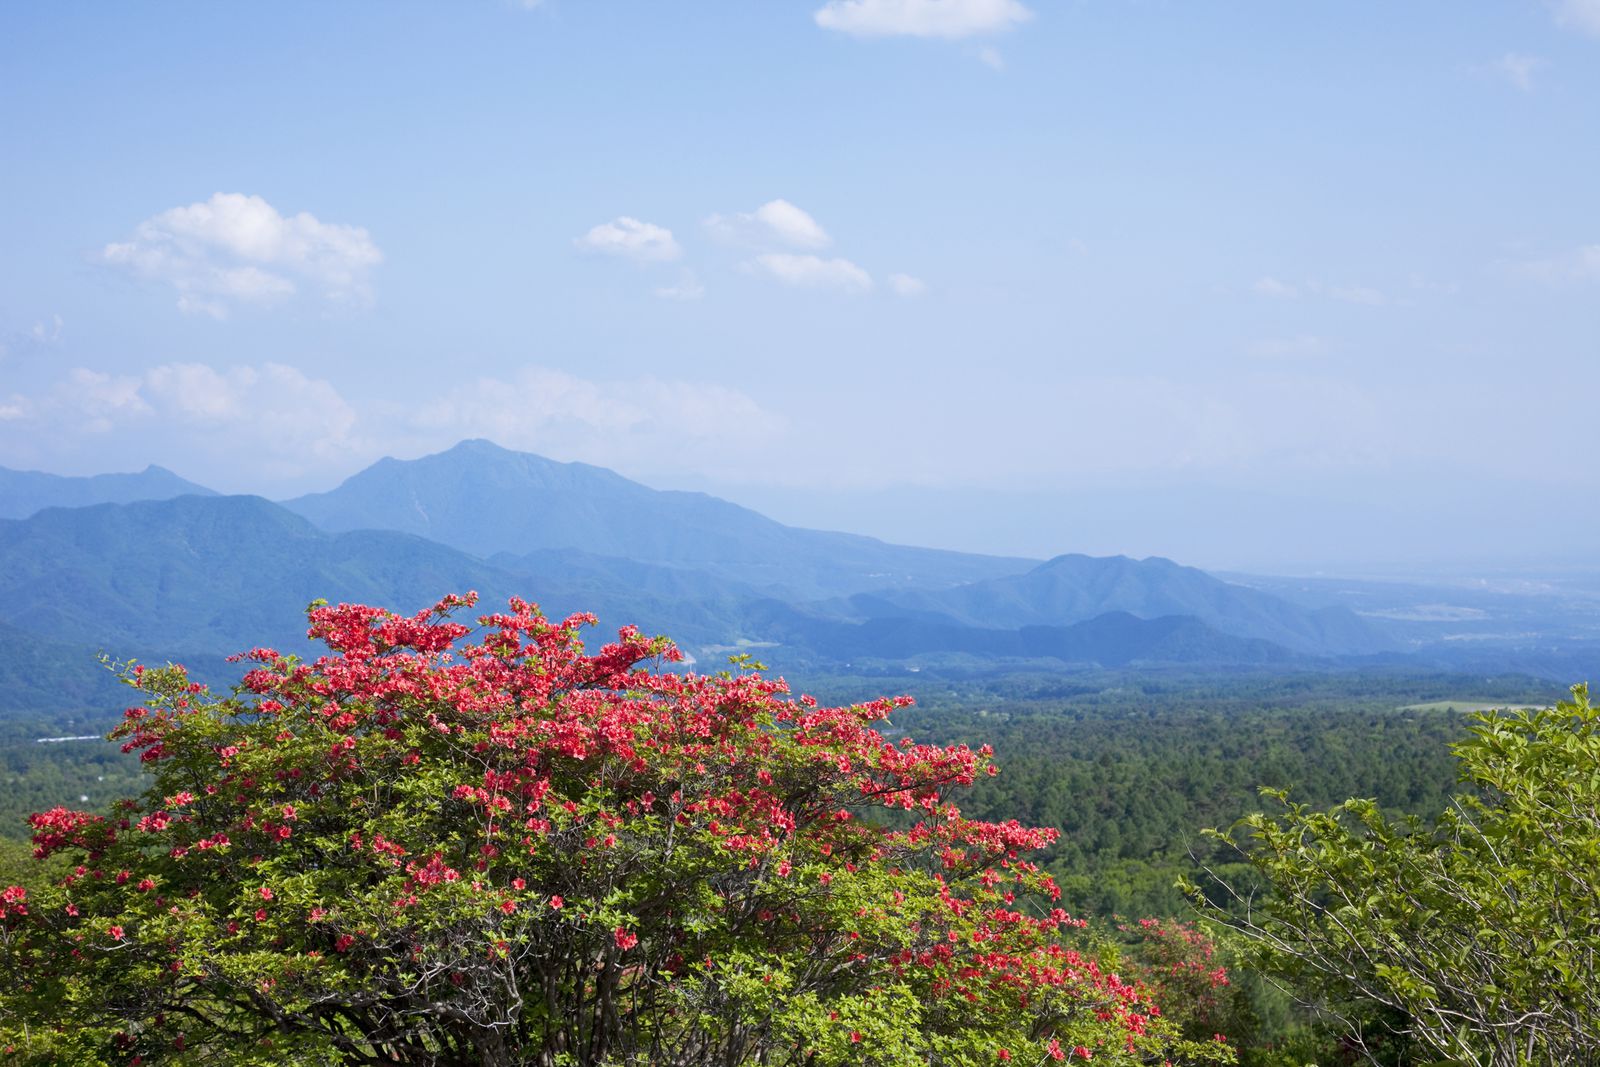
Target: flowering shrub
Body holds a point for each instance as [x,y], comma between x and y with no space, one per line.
[440,844]
[1178,961]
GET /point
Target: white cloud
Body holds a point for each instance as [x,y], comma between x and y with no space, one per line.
[1587,263]
[906,285]
[921,18]
[811,271]
[990,57]
[1582,15]
[1581,265]
[645,427]
[543,408]
[197,392]
[46,332]
[1276,289]
[43,334]
[287,422]
[99,399]
[1518,69]
[642,242]
[777,222]
[235,249]
[85,402]
[688,287]
[258,422]
[271,427]
[792,225]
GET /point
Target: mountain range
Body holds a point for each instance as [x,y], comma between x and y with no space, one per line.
[23,493]
[87,564]
[486,500]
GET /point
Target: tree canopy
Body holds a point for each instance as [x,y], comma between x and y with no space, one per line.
[1474,938]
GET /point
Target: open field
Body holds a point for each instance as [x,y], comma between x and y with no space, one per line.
[1465,705]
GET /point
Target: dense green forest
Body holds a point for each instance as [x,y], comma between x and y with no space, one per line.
[85,772]
[1130,768]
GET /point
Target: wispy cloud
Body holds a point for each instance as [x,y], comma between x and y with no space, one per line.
[1580,265]
[906,285]
[545,409]
[629,238]
[779,225]
[235,249]
[811,271]
[43,334]
[99,398]
[1581,15]
[88,401]
[1278,290]
[266,421]
[688,287]
[255,427]
[46,331]
[777,222]
[1518,69]
[921,18]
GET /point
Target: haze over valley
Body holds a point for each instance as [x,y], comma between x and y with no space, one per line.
[137,566]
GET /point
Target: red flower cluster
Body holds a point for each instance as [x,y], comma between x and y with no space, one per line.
[60,828]
[431,815]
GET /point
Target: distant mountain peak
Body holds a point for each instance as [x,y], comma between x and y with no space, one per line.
[485,499]
[1074,587]
[483,444]
[1075,560]
[482,451]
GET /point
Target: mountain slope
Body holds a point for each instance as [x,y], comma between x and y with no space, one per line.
[484,499]
[1074,588]
[47,676]
[217,575]
[198,573]
[1115,639]
[194,578]
[23,493]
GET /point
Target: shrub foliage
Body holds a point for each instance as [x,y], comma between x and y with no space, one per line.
[1475,938]
[443,844]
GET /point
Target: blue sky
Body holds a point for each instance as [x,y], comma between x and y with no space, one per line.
[1252,285]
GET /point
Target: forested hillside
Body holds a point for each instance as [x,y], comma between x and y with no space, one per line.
[1129,770]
